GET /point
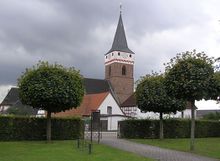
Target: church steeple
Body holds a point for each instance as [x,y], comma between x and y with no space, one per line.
[119,64]
[120,42]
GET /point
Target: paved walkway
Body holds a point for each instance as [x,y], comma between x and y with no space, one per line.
[159,154]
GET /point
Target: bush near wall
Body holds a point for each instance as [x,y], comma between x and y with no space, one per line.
[173,128]
[31,128]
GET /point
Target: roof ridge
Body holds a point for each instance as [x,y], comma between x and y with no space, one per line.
[94,78]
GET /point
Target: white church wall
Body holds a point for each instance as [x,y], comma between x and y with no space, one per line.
[113,122]
[115,116]
[110,101]
[186,114]
[120,57]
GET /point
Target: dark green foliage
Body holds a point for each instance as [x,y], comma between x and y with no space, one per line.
[51,87]
[28,128]
[217,84]
[22,110]
[151,95]
[190,76]
[212,116]
[205,128]
[139,129]
[173,128]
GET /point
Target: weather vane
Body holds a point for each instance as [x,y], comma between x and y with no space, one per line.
[120,7]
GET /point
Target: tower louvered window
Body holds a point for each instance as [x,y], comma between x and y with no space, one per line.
[123,70]
[109,71]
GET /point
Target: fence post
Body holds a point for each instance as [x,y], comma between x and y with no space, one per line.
[90,148]
[78,143]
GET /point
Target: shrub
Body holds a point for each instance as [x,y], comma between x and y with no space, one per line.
[173,128]
[31,128]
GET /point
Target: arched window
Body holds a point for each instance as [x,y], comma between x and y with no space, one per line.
[123,70]
[109,110]
[109,71]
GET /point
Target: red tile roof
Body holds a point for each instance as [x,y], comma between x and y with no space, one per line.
[91,102]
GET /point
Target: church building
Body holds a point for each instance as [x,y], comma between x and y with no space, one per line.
[106,95]
[119,65]
[113,96]
[119,84]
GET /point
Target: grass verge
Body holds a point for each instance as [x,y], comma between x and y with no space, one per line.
[203,146]
[62,151]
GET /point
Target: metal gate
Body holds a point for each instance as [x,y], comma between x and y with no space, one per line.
[92,127]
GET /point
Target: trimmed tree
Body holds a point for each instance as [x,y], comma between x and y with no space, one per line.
[190,76]
[217,79]
[51,87]
[151,96]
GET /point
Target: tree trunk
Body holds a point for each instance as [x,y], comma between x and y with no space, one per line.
[192,139]
[161,125]
[48,126]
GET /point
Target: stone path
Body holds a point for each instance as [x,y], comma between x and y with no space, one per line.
[157,153]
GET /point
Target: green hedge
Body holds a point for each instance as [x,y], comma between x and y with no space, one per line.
[173,128]
[30,128]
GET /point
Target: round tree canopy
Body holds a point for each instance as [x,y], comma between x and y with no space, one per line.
[51,87]
[152,96]
[190,76]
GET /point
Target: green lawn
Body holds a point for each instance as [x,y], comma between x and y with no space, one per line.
[61,151]
[203,146]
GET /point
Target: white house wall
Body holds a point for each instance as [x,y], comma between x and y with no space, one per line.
[152,115]
[113,122]
[110,101]
[117,114]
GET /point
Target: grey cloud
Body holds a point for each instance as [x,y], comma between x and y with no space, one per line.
[78,33]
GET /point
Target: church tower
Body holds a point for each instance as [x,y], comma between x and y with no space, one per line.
[119,64]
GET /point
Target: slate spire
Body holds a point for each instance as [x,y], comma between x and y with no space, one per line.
[120,42]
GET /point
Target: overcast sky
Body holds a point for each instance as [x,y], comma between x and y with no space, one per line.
[79,32]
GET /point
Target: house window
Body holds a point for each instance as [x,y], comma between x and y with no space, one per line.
[123,70]
[118,53]
[109,110]
[112,54]
[130,56]
[109,71]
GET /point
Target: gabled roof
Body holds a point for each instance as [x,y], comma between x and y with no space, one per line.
[91,102]
[96,85]
[130,102]
[120,42]
[11,98]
